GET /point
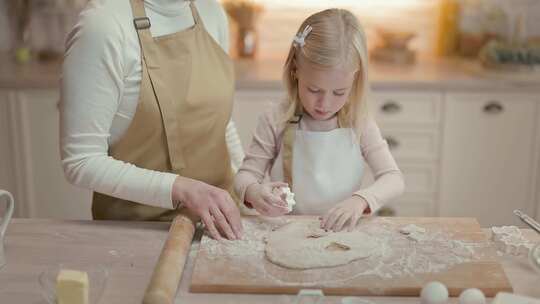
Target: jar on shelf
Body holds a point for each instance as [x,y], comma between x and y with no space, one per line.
[495,21]
[245,14]
[51,20]
[447,27]
[19,24]
[471,29]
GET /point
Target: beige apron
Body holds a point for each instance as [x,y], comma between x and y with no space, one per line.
[322,168]
[185,103]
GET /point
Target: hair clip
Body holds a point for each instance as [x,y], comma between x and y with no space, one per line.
[300,38]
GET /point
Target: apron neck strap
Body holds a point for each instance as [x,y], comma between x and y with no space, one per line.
[196,17]
[288,145]
[142,26]
[288,142]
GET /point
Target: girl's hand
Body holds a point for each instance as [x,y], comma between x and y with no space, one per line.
[350,210]
[266,200]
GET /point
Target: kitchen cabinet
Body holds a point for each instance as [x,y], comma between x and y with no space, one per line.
[37,178]
[489,156]
[467,145]
[6,170]
[12,167]
[410,121]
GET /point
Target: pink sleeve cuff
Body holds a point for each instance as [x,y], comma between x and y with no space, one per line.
[241,183]
[373,205]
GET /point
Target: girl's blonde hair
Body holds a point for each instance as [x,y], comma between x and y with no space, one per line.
[336,40]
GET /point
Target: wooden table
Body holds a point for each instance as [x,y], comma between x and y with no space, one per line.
[130,250]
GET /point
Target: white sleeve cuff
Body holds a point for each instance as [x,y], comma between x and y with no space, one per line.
[165,194]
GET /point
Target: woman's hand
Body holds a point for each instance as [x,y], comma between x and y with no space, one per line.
[350,210]
[266,199]
[213,205]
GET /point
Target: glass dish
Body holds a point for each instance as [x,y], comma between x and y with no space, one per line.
[97,280]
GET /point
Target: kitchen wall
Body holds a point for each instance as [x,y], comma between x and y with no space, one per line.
[281,19]
[50,21]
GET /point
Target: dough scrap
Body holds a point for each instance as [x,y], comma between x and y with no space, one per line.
[510,240]
[413,232]
[289,197]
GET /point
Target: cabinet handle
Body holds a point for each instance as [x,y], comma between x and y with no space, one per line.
[391,107]
[392,142]
[493,107]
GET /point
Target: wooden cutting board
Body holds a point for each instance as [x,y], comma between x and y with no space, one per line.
[455,252]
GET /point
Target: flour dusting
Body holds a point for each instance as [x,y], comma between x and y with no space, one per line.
[398,255]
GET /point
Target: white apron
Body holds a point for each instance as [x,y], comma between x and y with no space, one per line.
[327,167]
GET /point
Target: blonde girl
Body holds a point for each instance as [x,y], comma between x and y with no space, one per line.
[318,140]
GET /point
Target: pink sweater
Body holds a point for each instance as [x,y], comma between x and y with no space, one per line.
[267,142]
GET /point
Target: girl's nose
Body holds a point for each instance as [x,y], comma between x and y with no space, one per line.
[323,101]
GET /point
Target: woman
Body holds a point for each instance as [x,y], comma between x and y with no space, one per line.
[147,95]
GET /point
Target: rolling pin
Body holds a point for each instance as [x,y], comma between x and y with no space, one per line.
[170,265]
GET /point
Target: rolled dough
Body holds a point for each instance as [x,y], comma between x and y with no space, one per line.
[304,245]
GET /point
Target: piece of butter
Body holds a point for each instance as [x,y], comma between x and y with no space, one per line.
[72,287]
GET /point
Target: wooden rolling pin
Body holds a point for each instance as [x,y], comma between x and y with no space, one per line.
[169,267]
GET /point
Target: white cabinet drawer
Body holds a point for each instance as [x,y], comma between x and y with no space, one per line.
[420,145]
[407,107]
[419,179]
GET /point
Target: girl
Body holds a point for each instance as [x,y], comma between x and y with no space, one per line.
[317,141]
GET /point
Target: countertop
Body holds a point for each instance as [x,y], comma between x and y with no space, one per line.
[130,249]
[33,75]
[426,74]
